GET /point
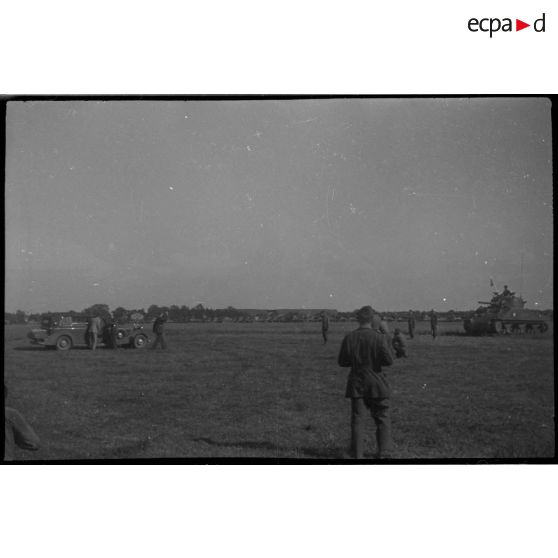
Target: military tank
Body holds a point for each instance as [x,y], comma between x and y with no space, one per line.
[504,314]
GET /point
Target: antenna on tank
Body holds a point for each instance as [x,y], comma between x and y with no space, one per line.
[521,283]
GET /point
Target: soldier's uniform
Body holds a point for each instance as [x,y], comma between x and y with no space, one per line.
[325,327]
[159,331]
[398,344]
[365,350]
[113,335]
[95,326]
[412,324]
[433,324]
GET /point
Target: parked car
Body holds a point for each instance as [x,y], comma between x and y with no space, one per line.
[63,333]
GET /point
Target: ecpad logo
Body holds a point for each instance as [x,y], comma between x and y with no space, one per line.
[492,25]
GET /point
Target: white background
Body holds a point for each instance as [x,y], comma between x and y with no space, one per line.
[278,511]
[292,46]
[288,47]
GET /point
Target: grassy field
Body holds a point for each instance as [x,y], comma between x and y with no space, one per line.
[275,391]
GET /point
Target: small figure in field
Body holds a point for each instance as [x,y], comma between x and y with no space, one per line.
[93,329]
[112,334]
[325,326]
[412,323]
[433,323]
[17,431]
[383,326]
[366,350]
[159,331]
[398,344]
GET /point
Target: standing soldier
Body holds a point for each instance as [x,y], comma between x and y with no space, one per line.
[159,331]
[433,323]
[95,326]
[113,334]
[366,350]
[412,323]
[325,325]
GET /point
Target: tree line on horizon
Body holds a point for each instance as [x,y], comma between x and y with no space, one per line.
[199,313]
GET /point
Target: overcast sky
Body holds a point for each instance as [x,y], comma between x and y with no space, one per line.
[397,203]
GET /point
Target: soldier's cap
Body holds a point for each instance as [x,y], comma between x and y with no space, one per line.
[365,314]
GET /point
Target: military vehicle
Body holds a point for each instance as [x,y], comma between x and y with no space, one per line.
[63,333]
[504,314]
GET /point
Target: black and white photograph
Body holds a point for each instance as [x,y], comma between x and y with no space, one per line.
[279,279]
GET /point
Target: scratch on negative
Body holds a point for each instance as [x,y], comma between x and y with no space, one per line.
[327,208]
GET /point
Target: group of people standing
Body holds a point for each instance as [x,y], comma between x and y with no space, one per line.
[96,329]
[397,341]
[411,322]
[109,333]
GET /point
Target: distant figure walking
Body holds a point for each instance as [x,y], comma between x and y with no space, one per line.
[159,331]
[366,350]
[17,431]
[433,323]
[325,326]
[398,344]
[94,328]
[412,323]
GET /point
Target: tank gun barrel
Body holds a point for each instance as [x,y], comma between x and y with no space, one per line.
[483,302]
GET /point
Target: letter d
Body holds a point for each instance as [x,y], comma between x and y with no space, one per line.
[535,27]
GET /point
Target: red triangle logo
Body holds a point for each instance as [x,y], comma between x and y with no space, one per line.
[519,25]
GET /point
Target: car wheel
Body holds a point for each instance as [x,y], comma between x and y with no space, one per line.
[140,341]
[63,343]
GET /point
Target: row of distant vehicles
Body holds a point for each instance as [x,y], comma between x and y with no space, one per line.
[65,332]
